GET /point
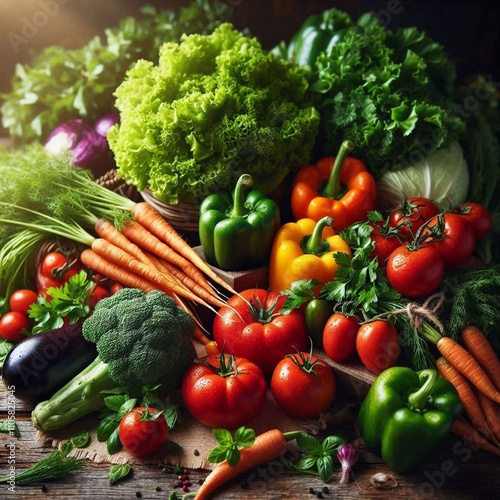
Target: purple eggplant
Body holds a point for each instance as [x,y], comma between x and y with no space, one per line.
[40,365]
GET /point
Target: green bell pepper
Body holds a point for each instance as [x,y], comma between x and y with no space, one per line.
[237,231]
[406,414]
[317,34]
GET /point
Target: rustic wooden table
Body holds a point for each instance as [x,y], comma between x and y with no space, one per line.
[456,471]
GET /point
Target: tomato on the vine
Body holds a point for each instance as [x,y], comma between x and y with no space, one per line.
[143,431]
[386,239]
[339,337]
[411,214]
[308,376]
[455,240]
[13,326]
[478,217]
[252,326]
[377,344]
[21,300]
[60,266]
[415,272]
[223,390]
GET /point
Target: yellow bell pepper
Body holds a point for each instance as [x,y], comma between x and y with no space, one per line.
[305,250]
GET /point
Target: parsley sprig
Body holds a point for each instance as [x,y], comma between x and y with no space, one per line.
[360,284]
[67,301]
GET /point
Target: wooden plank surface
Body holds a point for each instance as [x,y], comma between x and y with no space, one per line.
[454,471]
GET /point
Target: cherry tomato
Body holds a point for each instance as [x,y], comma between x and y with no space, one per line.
[339,337]
[97,295]
[13,325]
[224,390]
[478,217]
[61,267]
[305,375]
[415,273]
[386,239]
[251,325]
[411,214]
[143,431]
[21,300]
[377,344]
[457,243]
[44,282]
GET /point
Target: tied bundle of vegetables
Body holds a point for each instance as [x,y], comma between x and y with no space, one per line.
[215,106]
[50,196]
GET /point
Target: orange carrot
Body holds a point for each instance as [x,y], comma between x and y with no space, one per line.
[465,363]
[466,394]
[113,271]
[138,234]
[266,447]
[151,219]
[491,413]
[187,281]
[198,331]
[148,272]
[477,344]
[108,231]
[463,429]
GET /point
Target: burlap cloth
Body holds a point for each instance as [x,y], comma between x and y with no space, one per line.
[193,439]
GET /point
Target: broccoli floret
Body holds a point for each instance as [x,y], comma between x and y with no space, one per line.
[141,339]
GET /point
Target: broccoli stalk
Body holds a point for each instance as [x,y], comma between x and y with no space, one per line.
[79,397]
[142,339]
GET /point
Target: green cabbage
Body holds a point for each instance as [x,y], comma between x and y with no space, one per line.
[442,177]
[215,106]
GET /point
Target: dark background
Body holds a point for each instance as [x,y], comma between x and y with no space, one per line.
[469,30]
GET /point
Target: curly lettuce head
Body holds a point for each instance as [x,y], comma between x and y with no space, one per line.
[215,106]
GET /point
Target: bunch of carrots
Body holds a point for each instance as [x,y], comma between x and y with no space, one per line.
[148,253]
[474,370]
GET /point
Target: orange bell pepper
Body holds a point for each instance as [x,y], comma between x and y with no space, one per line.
[341,188]
[305,250]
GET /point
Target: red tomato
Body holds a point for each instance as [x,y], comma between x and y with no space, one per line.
[97,295]
[302,385]
[478,217]
[224,390]
[377,344]
[457,243]
[21,300]
[13,325]
[411,215]
[250,325]
[44,282]
[386,241]
[143,431]
[61,267]
[339,337]
[415,273]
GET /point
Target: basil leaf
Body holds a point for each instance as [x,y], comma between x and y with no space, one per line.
[118,472]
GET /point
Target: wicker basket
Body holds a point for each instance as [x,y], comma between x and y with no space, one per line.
[183,217]
[111,181]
